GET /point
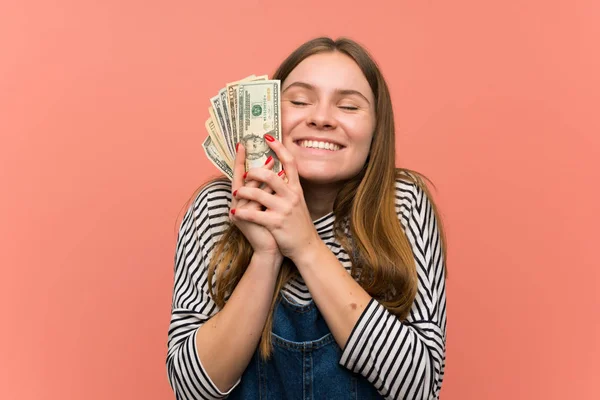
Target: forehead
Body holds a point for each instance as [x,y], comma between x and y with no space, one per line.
[330,71]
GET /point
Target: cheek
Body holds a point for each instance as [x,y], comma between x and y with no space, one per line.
[361,133]
[289,119]
[363,146]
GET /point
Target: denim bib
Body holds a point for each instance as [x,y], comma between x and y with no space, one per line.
[304,363]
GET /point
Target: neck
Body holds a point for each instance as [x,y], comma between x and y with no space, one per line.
[319,198]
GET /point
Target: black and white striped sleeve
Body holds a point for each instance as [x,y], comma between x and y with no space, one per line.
[406,360]
[192,305]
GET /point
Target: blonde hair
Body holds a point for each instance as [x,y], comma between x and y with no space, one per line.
[381,255]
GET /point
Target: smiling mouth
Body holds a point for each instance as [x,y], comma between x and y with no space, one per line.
[321,145]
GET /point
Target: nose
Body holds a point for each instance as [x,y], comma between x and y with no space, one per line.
[321,118]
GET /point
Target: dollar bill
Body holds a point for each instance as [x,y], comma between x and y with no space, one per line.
[218,135]
[232,96]
[231,89]
[259,113]
[213,155]
[224,103]
[219,112]
[217,141]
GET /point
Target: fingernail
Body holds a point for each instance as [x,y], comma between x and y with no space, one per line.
[234,193]
[280,173]
[245,175]
[233,211]
[268,160]
[269,137]
[237,146]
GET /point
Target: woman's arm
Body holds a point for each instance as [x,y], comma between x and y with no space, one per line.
[404,360]
[228,340]
[339,297]
[208,349]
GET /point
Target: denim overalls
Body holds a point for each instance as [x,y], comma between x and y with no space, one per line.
[304,363]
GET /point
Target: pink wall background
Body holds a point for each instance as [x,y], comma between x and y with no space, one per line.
[102,109]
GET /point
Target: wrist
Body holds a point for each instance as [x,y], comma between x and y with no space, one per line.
[270,260]
[310,255]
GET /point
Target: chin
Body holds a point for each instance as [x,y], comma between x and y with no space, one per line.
[321,176]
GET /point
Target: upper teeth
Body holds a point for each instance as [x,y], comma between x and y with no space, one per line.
[319,145]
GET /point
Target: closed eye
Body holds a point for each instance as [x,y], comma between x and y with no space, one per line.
[349,108]
[298,103]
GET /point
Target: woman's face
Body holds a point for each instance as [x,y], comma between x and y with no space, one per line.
[328,117]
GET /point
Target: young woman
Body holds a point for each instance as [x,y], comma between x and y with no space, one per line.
[327,282]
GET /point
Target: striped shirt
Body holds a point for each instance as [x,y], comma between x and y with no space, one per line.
[402,359]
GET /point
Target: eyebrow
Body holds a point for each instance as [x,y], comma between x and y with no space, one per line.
[344,92]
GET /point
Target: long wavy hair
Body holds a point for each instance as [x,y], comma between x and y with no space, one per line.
[366,222]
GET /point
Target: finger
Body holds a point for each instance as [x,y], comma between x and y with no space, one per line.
[283,176]
[260,197]
[285,157]
[239,174]
[269,163]
[271,179]
[263,218]
[241,201]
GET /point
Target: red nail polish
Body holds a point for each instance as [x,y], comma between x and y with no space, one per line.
[268,160]
[245,175]
[269,137]
[237,146]
[234,193]
[280,173]
[233,211]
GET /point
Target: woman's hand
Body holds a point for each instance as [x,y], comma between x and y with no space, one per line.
[286,216]
[260,238]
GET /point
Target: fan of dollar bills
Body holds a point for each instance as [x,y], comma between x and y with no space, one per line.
[243,112]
